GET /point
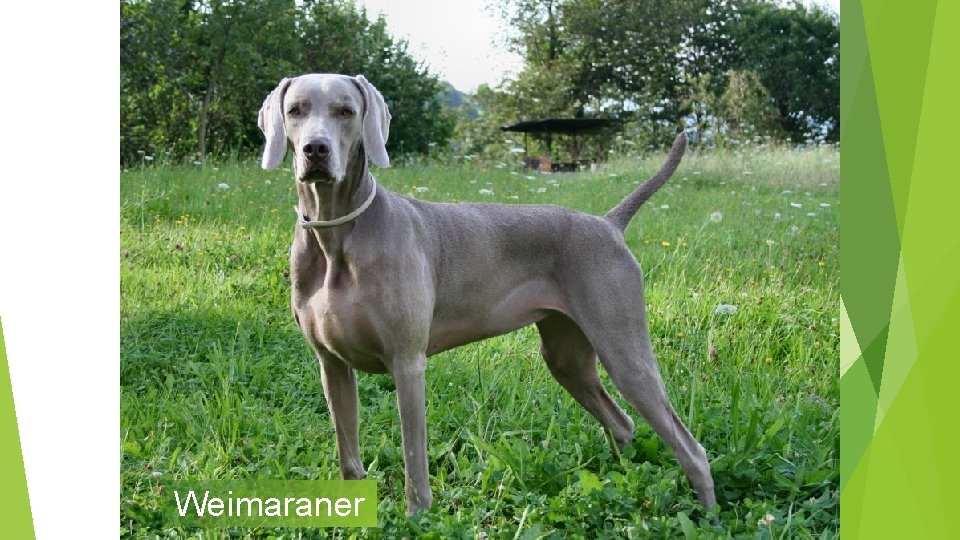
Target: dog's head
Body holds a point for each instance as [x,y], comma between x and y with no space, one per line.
[324,118]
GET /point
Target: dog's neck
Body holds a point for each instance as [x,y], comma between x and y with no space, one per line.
[324,201]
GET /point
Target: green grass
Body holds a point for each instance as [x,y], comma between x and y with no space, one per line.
[217,382]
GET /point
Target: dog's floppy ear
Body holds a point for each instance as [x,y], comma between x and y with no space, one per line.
[376,123]
[270,121]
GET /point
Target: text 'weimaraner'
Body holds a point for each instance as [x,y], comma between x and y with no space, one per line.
[381,282]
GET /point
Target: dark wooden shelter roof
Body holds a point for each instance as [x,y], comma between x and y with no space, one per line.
[570,126]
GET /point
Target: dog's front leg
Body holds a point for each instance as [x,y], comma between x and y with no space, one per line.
[340,389]
[409,377]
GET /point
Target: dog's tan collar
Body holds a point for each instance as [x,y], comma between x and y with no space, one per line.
[340,220]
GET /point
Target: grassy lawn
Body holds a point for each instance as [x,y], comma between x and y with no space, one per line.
[217,382]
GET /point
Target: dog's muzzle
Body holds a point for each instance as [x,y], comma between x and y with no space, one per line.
[316,161]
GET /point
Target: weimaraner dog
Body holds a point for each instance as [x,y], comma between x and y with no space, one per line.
[381,282]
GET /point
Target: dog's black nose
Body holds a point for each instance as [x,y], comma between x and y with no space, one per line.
[317,150]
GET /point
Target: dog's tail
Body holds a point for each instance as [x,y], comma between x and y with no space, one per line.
[624,212]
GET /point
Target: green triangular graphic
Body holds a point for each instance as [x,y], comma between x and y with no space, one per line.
[14,499]
[900,72]
[874,356]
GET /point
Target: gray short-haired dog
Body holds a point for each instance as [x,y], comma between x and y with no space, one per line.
[381,282]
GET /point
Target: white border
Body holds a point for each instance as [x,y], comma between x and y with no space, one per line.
[59,239]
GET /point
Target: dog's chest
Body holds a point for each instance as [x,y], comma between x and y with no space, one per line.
[337,320]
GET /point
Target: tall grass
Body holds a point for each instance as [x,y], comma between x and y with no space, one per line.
[217,382]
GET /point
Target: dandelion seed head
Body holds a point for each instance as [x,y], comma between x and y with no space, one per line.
[725,309]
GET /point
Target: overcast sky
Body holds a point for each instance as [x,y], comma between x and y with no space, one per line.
[460,41]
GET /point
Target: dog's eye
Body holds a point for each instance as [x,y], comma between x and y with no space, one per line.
[294,111]
[346,112]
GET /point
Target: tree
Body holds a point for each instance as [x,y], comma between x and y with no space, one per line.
[194,72]
[746,108]
[795,51]
[645,61]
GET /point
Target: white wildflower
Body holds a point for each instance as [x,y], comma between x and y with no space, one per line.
[824,205]
[725,309]
[528,177]
[148,158]
[776,215]
[811,214]
[766,521]
[421,189]
[541,190]
[664,206]
[223,187]
[771,243]
[486,191]
[716,217]
[267,182]
[794,229]
[796,205]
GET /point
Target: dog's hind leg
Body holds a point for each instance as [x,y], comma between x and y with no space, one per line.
[634,372]
[572,361]
[611,313]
